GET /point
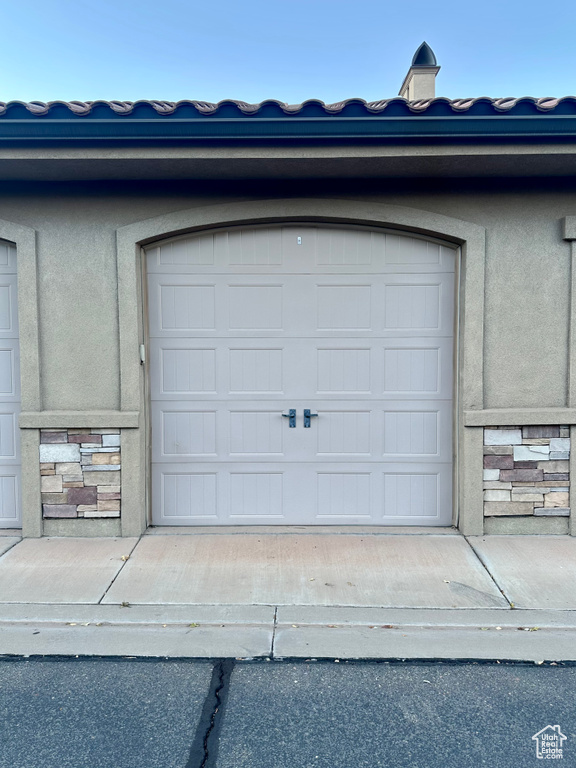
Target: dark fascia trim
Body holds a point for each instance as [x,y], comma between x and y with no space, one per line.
[348,129]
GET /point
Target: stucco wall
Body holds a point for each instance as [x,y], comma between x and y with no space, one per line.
[526,300]
[527,279]
[77,285]
[526,291]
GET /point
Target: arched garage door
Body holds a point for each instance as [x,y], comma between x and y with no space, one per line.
[354,326]
[10,516]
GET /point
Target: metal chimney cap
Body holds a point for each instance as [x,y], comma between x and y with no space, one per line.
[424,57]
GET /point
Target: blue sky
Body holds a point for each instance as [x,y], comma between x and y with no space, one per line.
[290,51]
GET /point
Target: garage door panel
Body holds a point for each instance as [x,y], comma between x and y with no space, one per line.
[184,369]
[218,251]
[261,368]
[180,253]
[294,247]
[416,307]
[352,248]
[256,494]
[203,431]
[340,430]
[9,437]
[231,494]
[185,432]
[401,251]
[190,371]
[418,304]
[390,305]
[181,305]
[343,432]
[418,496]
[185,497]
[275,370]
[258,433]
[412,433]
[187,307]
[10,499]
[7,258]
[417,368]
[344,307]
[412,370]
[417,433]
[6,301]
[223,494]
[343,370]
[355,325]
[261,306]
[8,307]
[9,390]
[344,495]
[258,247]
[9,368]
[256,370]
[255,307]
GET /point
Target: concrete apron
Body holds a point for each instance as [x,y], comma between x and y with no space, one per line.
[266,594]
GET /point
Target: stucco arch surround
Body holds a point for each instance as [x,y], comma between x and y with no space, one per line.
[470,322]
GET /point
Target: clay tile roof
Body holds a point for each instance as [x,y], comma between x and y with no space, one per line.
[384,107]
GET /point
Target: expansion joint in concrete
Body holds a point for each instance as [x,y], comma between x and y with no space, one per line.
[490,574]
[125,559]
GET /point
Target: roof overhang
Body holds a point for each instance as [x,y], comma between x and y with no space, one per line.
[304,162]
[232,140]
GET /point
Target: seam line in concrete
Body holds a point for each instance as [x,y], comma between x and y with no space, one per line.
[118,572]
[489,572]
[9,548]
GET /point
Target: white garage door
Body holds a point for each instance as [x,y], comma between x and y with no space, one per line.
[353,325]
[9,391]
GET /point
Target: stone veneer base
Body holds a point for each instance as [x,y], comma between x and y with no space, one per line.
[527,476]
[526,526]
[80,473]
[82,527]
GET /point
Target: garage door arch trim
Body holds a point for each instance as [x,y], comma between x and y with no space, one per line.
[469,236]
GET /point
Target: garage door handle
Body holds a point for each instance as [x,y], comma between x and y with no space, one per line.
[307,417]
[291,416]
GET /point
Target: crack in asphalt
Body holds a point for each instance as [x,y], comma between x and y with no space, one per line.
[204,748]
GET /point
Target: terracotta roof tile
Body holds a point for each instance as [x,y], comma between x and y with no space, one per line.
[546,104]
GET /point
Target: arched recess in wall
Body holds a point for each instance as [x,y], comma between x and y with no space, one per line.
[470,237]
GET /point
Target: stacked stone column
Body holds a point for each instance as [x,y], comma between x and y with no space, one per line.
[80,473]
[527,471]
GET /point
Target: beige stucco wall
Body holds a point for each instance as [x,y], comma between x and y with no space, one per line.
[526,294]
[527,285]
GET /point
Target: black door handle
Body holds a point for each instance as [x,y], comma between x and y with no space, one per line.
[307,417]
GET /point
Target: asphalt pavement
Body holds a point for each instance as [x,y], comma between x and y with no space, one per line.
[225,713]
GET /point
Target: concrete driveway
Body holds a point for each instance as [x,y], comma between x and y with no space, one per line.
[255,593]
